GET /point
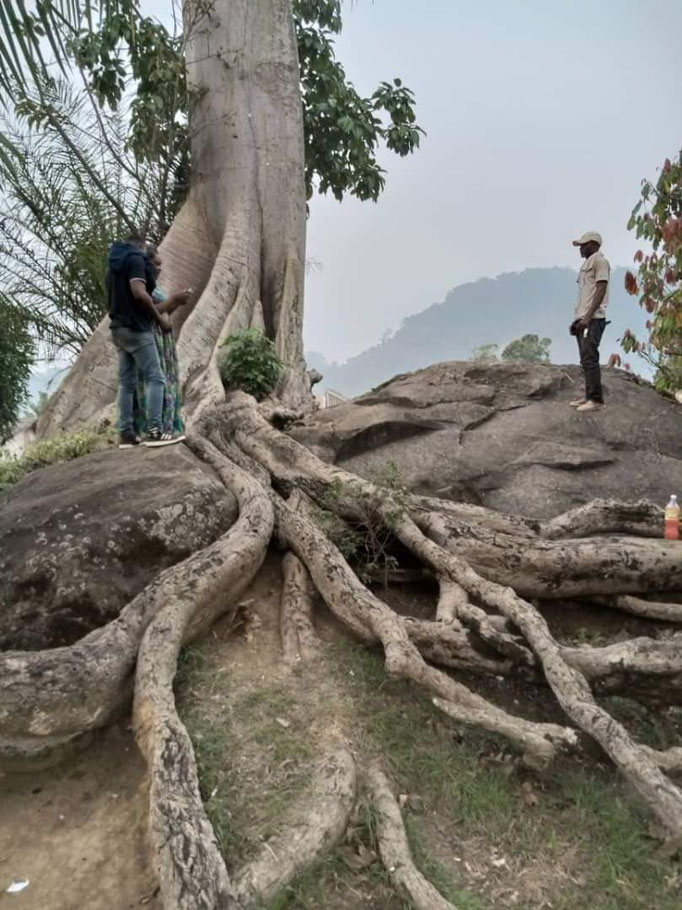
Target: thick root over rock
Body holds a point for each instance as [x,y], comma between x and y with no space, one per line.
[484,563]
[191,870]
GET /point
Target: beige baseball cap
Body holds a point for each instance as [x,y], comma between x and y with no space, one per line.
[586,238]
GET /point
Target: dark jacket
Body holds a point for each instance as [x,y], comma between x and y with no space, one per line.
[127,262]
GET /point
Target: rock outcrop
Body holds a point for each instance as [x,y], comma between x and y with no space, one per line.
[503,435]
[79,540]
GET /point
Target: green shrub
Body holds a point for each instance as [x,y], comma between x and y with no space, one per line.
[17,353]
[64,447]
[249,362]
[366,542]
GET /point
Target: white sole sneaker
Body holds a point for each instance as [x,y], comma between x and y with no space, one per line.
[159,443]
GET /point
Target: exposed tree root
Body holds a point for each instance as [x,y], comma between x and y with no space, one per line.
[534,567]
[601,516]
[560,568]
[395,850]
[299,640]
[669,760]
[66,691]
[452,645]
[568,684]
[642,667]
[321,823]
[354,605]
[452,598]
[191,871]
[484,563]
[649,609]
[606,516]
[632,564]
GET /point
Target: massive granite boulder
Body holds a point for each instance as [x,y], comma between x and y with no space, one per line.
[79,540]
[503,435]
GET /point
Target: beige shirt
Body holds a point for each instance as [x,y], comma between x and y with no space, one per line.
[595,268]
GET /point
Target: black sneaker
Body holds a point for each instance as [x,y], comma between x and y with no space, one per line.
[155,439]
[128,440]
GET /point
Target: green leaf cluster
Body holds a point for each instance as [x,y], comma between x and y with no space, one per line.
[366,541]
[17,352]
[344,130]
[64,447]
[657,220]
[530,348]
[115,48]
[249,361]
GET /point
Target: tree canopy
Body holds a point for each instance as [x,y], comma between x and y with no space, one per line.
[119,51]
[531,348]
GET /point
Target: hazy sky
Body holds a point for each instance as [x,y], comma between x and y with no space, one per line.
[542,118]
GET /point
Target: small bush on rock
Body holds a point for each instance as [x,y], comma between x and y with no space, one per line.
[64,447]
[249,362]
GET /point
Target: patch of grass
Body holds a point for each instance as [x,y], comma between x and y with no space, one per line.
[61,448]
[313,889]
[436,871]
[335,883]
[251,746]
[585,832]
[212,745]
[582,836]
[655,728]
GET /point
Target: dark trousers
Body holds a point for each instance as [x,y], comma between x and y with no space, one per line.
[588,345]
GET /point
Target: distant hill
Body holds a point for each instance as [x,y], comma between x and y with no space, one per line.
[537,301]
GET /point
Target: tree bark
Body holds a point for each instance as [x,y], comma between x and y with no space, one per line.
[190,868]
[395,849]
[239,240]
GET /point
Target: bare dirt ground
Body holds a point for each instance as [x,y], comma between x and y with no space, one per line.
[486,833]
[76,832]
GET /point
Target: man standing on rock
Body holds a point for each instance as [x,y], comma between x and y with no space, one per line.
[130,283]
[590,317]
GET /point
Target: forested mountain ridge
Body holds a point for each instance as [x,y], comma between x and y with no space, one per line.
[538,301]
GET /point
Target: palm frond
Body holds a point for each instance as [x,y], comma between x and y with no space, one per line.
[68,187]
[23,31]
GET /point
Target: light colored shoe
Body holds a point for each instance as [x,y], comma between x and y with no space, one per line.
[590,406]
[577,402]
[155,439]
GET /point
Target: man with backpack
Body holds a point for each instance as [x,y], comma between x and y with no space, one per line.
[130,283]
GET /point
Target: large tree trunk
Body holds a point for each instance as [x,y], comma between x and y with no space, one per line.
[239,240]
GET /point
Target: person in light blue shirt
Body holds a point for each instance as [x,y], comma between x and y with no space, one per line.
[172,425]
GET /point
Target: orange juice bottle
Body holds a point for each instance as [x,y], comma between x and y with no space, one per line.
[672,520]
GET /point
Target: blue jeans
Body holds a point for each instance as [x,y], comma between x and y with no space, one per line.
[137,351]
